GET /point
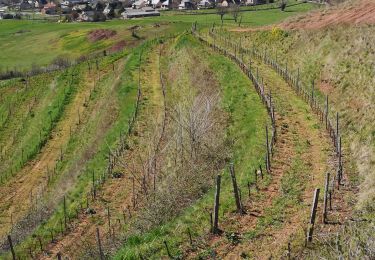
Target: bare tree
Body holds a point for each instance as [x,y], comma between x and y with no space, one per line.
[235,11]
[222,10]
[283,5]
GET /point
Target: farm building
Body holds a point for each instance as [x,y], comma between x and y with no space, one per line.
[136,13]
[165,4]
[155,3]
[25,5]
[204,4]
[86,16]
[254,2]
[185,4]
[139,4]
[224,4]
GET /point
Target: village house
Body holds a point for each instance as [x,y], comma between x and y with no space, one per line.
[26,5]
[139,4]
[86,16]
[136,13]
[108,9]
[204,4]
[186,4]
[165,5]
[224,4]
[253,2]
[155,3]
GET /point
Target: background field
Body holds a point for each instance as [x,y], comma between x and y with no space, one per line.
[24,43]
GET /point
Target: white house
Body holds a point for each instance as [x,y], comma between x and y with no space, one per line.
[251,2]
[86,16]
[142,12]
[107,9]
[139,4]
[224,4]
[204,4]
[155,3]
[165,4]
[185,4]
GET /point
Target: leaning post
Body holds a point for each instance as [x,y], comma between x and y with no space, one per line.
[313,215]
[217,204]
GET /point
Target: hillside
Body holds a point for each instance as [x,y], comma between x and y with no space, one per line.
[351,13]
[334,49]
[183,137]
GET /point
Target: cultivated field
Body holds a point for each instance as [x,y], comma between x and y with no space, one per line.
[184,136]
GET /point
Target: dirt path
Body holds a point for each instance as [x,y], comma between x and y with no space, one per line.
[117,193]
[21,193]
[278,213]
[359,12]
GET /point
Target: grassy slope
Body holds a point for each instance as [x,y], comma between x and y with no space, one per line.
[247,118]
[339,60]
[24,43]
[302,152]
[341,68]
[30,131]
[125,93]
[50,29]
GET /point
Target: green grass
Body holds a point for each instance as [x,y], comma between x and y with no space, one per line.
[30,131]
[247,117]
[24,43]
[27,43]
[41,42]
[125,96]
[341,67]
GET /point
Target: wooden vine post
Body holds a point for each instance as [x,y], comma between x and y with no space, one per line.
[65,223]
[167,248]
[312,95]
[93,185]
[313,215]
[268,152]
[99,244]
[235,189]
[11,247]
[215,229]
[340,161]
[190,237]
[337,132]
[326,112]
[326,197]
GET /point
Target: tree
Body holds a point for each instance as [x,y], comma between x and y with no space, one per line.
[127,3]
[98,17]
[222,10]
[235,11]
[74,15]
[282,5]
[239,23]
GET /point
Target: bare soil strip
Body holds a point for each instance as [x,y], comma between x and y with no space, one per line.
[360,12]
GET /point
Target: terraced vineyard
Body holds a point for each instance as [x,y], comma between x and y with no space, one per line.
[176,137]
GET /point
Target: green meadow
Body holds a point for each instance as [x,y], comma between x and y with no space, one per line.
[26,43]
